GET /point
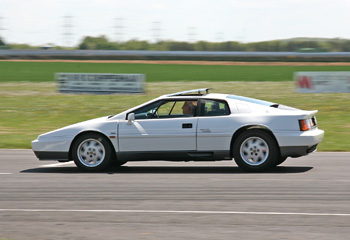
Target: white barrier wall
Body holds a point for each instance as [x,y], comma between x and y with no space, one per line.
[100,83]
[322,82]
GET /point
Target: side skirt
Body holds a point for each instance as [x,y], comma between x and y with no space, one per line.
[174,156]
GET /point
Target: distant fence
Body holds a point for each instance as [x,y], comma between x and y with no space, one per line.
[322,82]
[175,55]
[100,83]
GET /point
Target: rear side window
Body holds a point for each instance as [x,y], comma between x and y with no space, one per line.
[214,108]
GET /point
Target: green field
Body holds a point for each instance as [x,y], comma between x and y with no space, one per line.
[31,105]
[44,71]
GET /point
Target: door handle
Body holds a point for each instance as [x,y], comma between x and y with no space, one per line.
[187,125]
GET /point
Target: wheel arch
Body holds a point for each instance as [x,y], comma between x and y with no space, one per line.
[250,127]
[89,132]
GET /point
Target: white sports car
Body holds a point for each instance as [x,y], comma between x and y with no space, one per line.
[187,126]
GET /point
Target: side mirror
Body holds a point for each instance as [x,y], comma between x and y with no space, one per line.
[131,117]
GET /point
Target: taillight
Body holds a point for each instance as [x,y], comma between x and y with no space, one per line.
[305,124]
[314,121]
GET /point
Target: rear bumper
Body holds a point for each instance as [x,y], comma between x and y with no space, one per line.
[297,151]
[304,139]
[297,144]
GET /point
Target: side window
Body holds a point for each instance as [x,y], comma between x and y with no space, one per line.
[214,108]
[148,111]
[167,109]
[186,108]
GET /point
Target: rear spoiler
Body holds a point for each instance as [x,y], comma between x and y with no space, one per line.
[309,114]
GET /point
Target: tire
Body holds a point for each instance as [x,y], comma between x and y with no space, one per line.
[281,160]
[92,152]
[118,163]
[255,151]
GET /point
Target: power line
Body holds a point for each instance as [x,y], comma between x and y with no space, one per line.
[119,29]
[1,27]
[192,34]
[67,30]
[156,31]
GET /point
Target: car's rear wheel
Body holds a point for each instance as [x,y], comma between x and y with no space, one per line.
[92,152]
[118,163]
[281,160]
[255,151]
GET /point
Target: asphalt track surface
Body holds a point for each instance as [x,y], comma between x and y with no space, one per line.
[305,198]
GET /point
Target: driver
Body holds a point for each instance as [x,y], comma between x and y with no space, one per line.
[189,108]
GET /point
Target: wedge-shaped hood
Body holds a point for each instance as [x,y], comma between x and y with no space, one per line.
[73,129]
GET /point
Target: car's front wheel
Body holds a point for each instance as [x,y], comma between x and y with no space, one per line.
[92,152]
[255,151]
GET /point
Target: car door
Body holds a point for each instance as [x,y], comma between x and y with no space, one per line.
[215,126]
[159,126]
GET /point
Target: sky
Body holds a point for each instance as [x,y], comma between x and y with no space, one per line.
[67,22]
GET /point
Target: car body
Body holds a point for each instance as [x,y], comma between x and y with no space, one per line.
[257,134]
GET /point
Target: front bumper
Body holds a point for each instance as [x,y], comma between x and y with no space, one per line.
[57,156]
[51,148]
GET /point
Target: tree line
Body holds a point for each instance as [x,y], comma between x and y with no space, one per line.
[290,45]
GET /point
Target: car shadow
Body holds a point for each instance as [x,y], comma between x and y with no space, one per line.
[169,170]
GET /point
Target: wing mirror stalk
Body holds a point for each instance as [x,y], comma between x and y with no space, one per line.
[131,118]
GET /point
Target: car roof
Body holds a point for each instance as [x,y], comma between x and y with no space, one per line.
[194,92]
[204,93]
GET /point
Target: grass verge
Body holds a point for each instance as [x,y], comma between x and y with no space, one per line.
[29,109]
[44,71]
